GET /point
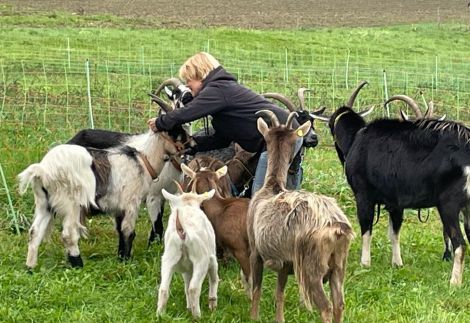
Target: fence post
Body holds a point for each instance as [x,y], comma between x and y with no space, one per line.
[88,90]
[10,203]
[347,72]
[68,50]
[386,92]
[4,92]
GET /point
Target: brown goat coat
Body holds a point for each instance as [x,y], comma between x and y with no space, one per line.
[227,216]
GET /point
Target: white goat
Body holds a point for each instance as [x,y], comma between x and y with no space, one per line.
[190,250]
[70,179]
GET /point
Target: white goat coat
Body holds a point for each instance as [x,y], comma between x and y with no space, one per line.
[199,243]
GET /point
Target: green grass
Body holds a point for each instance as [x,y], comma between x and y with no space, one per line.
[43,101]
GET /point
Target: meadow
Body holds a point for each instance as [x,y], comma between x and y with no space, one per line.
[61,73]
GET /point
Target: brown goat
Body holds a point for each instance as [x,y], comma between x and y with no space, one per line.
[240,170]
[227,215]
[209,163]
[296,231]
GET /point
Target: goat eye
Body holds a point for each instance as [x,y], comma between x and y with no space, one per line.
[166,157]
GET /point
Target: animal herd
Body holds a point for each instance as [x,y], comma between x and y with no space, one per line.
[399,163]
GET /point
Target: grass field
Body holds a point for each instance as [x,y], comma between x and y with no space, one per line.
[43,101]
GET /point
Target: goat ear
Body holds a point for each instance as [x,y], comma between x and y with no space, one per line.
[170,197]
[188,171]
[262,126]
[303,129]
[168,92]
[238,148]
[222,171]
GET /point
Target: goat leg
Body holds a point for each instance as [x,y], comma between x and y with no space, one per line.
[282,276]
[256,264]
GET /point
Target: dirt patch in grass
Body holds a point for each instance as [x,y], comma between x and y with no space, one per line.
[262,14]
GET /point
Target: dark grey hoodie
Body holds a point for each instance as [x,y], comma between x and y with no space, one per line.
[232,107]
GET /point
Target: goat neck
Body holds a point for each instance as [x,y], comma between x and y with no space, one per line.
[155,148]
[282,150]
[344,125]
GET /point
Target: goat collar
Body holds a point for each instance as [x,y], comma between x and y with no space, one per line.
[149,167]
[176,162]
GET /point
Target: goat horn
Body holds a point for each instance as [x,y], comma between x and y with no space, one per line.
[271,115]
[165,106]
[171,81]
[403,115]
[366,112]
[430,111]
[300,94]
[320,117]
[198,165]
[413,105]
[290,119]
[178,186]
[319,111]
[355,93]
[281,98]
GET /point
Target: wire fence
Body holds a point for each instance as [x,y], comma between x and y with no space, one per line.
[48,94]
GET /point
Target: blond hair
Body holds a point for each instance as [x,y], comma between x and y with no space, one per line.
[198,66]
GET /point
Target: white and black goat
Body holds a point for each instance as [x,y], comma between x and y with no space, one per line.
[103,139]
[71,179]
[405,164]
[296,231]
[189,250]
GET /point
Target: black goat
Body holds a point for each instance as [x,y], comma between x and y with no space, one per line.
[405,164]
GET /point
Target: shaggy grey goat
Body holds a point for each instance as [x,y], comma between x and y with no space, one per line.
[296,231]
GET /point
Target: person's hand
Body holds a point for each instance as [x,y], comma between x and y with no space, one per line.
[152,124]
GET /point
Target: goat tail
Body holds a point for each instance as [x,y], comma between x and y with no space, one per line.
[315,253]
[33,175]
[65,173]
[179,227]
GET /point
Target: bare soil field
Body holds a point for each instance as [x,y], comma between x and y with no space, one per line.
[264,14]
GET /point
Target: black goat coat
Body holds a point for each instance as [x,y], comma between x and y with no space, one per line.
[408,164]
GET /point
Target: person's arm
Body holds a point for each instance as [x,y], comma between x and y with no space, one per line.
[210,100]
[205,143]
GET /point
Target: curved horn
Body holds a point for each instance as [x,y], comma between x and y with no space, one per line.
[300,94]
[355,93]
[281,98]
[290,119]
[271,115]
[413,105]
[198,165]
[430,111]
[178,186]
[165,106]
[403,115]
[320,117]
[319,111]
[366,112]
[171,81]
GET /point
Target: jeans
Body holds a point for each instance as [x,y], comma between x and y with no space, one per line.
[294,180]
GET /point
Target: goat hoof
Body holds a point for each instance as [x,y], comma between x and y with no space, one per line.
[76,261]
[455,282]
[447,256]
[212,303]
